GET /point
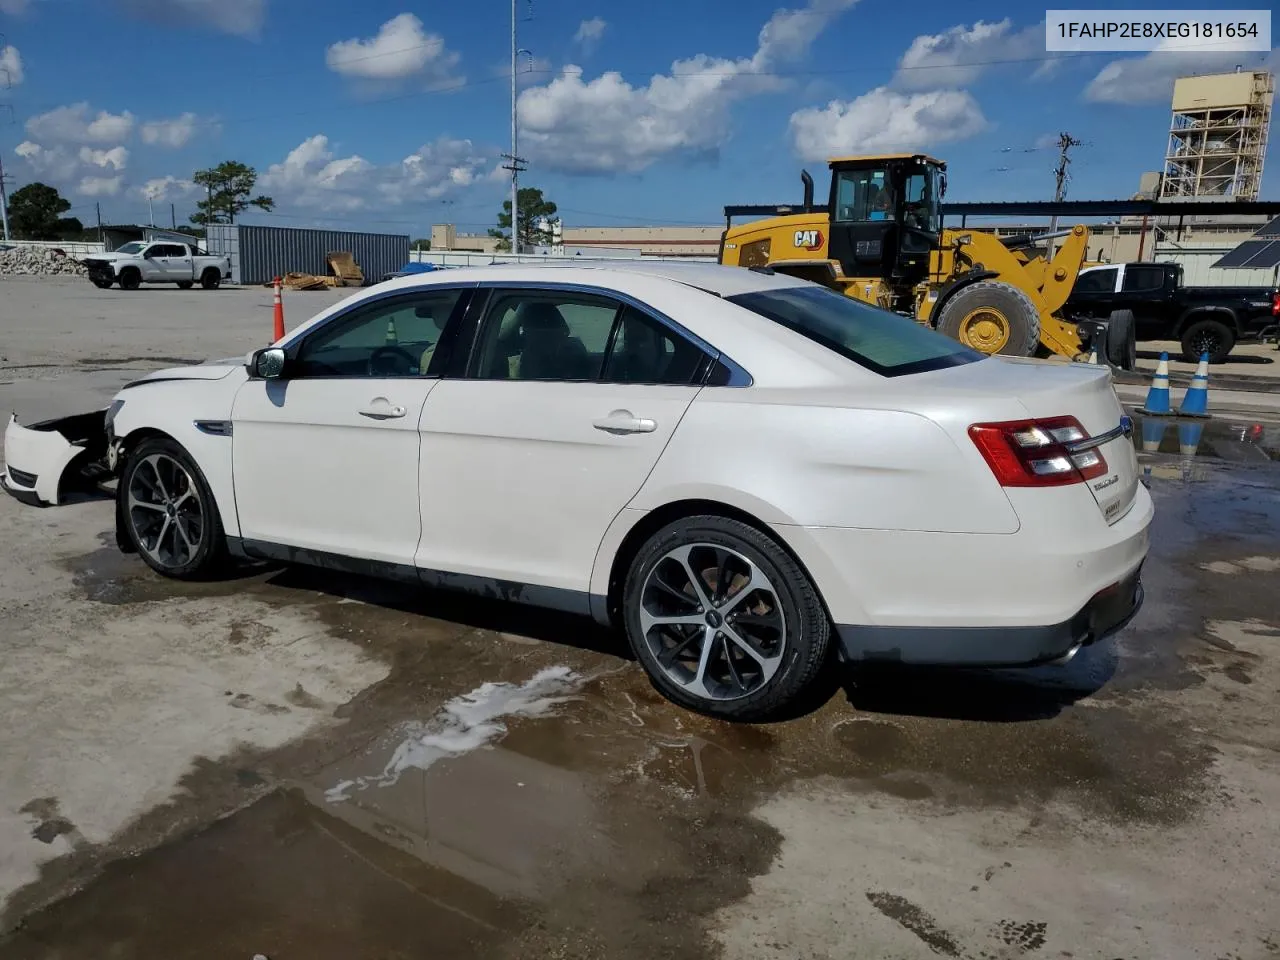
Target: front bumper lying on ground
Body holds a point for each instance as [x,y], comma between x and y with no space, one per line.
[43,461]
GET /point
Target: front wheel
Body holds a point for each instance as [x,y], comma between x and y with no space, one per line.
[1207,336]
[130,279]
[168,511]
[992,317]
[724,620]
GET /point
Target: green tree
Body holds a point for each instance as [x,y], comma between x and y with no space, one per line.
[536,217]
[422,243]
[228,190]
[35,213]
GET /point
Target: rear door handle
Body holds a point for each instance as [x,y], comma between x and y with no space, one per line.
[623,421]
[380,408]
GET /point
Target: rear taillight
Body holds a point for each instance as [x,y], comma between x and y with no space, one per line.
[1275,304]
[1038,453]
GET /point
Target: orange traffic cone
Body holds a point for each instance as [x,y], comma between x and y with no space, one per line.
[277,332]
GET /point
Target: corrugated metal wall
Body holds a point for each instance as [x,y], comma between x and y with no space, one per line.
[267,252]
[1198,270]
[222,240]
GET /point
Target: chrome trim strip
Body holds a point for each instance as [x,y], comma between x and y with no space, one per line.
[1089,443]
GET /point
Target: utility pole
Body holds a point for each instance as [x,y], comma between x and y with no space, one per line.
[4,201]
[173,217]
[514,164]
[151,213]
[98,209]
[1061,178]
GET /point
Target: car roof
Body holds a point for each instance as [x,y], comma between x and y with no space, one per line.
[710,277]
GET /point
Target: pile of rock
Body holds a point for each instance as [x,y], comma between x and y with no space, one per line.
[38,262]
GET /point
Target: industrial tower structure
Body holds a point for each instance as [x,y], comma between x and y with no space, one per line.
[1218,136]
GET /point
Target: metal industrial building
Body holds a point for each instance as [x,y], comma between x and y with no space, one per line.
[259,254]
[1218,136]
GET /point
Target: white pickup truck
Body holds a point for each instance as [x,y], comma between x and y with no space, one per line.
[159,261]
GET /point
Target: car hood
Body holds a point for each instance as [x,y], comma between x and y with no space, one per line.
[214,370]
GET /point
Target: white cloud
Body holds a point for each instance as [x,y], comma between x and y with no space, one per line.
[885,120]
[99,186]
[170,133]
[1149,78]
[606,124]
[402,48]
[10,66]
[961,54]
[50,163]
[313,176]
[590,32]
[167,189]
[239,17]
[74,124]
[116,158]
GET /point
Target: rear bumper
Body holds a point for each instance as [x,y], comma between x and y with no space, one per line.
[1107,612]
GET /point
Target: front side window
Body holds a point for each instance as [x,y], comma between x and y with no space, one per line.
[863,195]
[920,200]
[390,338]
[1097,281]
[883,342]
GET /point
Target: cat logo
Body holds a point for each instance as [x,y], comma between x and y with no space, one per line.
[809,239]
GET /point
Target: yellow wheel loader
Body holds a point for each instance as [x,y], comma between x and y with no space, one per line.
[880,239]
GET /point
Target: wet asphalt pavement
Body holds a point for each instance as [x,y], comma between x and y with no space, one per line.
[505,783]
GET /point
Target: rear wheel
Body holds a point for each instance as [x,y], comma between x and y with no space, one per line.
[992,317]
[724,620]
[130,279]
[210,279]
[169,513]
[1207,336]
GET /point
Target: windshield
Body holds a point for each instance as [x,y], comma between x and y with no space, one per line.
[887,343]
[131,248]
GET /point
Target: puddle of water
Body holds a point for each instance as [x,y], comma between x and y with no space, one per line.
[464,724]
[1237,440]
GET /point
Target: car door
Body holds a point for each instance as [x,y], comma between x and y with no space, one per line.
[154,265]
[1142,291]
[178,263]
[326,457]
[1094,292]
[566,402]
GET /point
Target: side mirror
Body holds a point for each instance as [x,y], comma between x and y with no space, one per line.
[267,364]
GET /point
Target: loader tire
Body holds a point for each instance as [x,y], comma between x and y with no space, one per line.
[992,317]
[1122,343]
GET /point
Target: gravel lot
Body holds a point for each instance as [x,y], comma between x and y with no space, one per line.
[308,766]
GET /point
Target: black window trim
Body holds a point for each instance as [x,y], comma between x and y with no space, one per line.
[447,336]
[479,308]
[1116,278]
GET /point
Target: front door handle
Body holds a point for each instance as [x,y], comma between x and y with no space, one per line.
[380,408]
[623,421]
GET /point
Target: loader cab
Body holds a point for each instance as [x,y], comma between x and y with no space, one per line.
[885,219]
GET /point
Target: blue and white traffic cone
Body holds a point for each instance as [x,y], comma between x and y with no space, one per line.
[1153,431]
[1196,401]
[1189,437]
[1157,403]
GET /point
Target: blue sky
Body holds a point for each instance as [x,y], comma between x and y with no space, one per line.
[391,115]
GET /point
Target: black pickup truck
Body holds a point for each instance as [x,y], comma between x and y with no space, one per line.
[1204,319]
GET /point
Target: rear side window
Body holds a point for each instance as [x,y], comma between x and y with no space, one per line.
[1140,279]
[884,342]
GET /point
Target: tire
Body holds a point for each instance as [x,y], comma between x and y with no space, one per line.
[211,279]
[1011,326]
[102,284]
[1122,340]
[130,279]
[790,632]
[162,535]
[1207,336]
[185,284]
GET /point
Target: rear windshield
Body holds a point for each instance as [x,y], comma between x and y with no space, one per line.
[889,344]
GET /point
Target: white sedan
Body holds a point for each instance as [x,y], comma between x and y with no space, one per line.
[749,474]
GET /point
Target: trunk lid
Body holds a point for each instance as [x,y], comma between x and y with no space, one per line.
[1053,389]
